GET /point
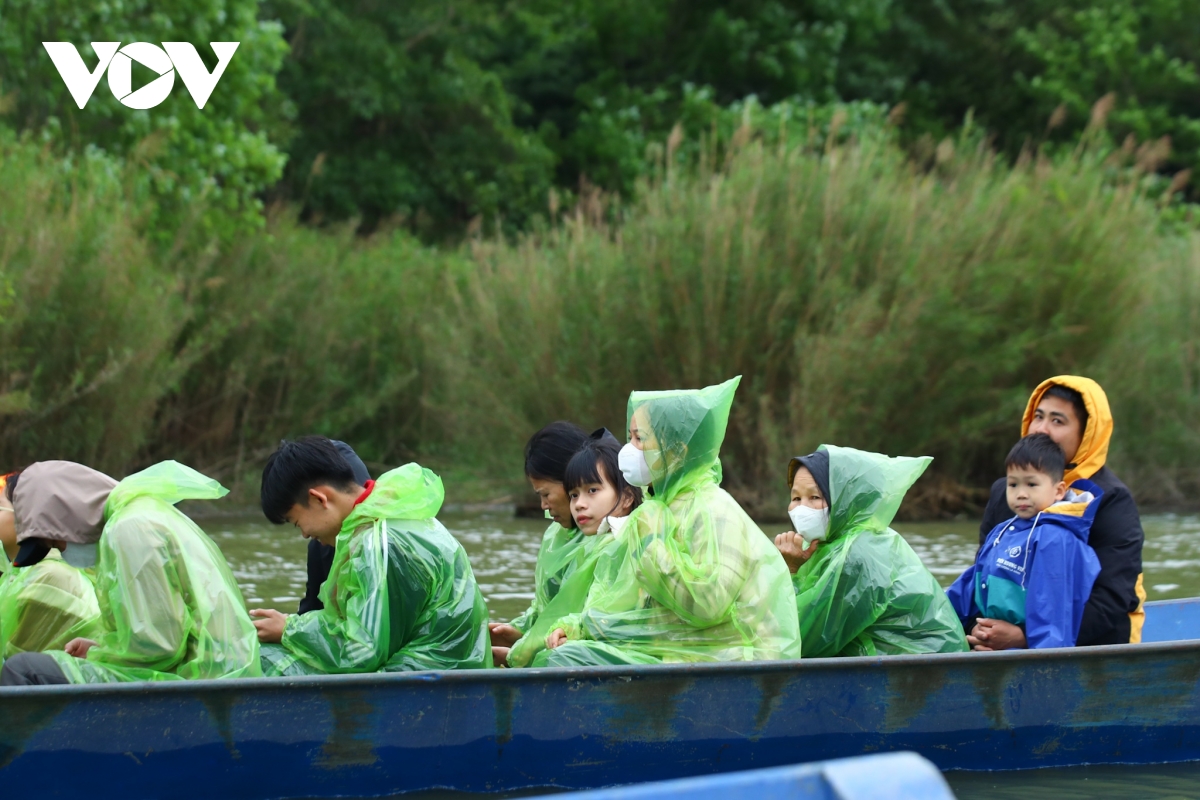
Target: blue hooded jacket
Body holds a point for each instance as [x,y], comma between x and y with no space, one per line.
[1036,572]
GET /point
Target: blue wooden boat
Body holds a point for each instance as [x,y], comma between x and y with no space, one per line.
[909,777]
[502,730]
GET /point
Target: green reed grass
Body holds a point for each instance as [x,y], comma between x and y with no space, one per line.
[866,301]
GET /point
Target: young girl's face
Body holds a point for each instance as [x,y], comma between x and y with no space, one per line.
[592,502]
[805,491]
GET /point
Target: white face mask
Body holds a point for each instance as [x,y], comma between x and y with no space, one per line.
[633,466]
[82,556]
[811,523]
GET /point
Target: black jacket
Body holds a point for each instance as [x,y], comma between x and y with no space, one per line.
[1117,538]
[320,556]
[320,561]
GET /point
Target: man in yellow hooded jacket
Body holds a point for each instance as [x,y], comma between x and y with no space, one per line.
[1074,412]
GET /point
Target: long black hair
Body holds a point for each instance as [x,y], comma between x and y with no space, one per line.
[549,450]
[596,462]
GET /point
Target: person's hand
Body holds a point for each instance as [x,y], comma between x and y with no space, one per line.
[557,638]
[270,624]
[500,656]
[79,647]
[996,634]
[503,634]
[791,547]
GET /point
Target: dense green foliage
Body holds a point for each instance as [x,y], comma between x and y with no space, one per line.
[441,112]
[430,227]
[226,154]
[447,113]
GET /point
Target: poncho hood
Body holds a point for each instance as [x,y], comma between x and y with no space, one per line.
[409,492]
[689,426]
[168,481]
[61,500]
[1093,447]
[866,489]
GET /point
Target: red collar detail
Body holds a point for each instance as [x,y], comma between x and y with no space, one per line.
[366,492]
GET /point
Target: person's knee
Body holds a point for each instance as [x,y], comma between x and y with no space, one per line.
[31,669]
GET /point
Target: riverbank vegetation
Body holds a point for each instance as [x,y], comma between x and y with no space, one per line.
[867,300]
[522,219]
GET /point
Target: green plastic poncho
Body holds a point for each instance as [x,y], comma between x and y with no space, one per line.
[570,595]
[44,606]
[696,579]
[557,558]
[866,592]
[400,595]
[170,606]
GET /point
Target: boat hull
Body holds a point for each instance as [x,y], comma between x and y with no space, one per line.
[483,731]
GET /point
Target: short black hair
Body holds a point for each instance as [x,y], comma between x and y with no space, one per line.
[1074,398]
[548,451]
[298,466]
[1038,452]
[598,460]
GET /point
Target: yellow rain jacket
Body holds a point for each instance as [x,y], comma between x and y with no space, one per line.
[44,606]
[1113,614]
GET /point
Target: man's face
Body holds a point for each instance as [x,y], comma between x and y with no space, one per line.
[554,499]
[1056,418]
[318,518]
[1031,491]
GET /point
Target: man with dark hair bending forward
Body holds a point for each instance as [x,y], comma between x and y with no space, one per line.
[400,595]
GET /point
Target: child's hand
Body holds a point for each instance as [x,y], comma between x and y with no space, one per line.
[791,547]
[500,656]
[555,639]
[503,634]
[270,625]
[996,634]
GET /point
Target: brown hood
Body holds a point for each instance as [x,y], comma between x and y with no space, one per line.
[1093,447]
[61,500]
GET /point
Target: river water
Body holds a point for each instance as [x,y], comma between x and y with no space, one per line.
[269,563]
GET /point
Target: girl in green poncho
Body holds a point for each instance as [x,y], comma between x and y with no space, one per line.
[400,595]
[601,500]
[860,589]
[170,607]
[547,454]
[697,580]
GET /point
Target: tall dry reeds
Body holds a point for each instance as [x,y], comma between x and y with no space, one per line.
[86,316]
[867,301]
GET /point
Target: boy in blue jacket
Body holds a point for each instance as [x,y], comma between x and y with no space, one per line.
[1036,569]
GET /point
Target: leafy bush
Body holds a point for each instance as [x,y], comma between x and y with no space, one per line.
[223,154]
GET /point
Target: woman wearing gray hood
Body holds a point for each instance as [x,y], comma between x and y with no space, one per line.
[45,605]
[170,606]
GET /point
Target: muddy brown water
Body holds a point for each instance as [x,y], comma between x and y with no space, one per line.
[269,563]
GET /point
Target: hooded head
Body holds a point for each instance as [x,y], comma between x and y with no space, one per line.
[864,490]
[681,432]
[58,501]
[1097,430]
